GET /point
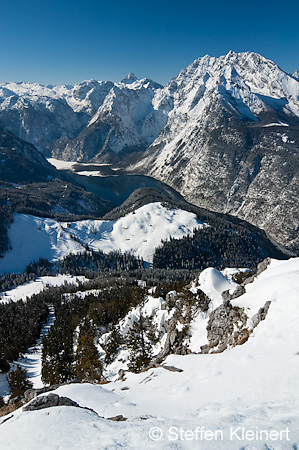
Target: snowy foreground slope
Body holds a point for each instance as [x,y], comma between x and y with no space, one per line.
[139,232]
[243,398]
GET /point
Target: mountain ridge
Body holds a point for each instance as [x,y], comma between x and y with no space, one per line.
[230,147]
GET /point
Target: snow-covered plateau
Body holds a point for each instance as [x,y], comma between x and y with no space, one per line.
[139,233]
[243,398]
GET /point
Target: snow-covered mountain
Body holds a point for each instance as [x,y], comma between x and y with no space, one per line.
[241,397]
[82,121]
[224,133]
[231,140]
[126,122]
[43,114]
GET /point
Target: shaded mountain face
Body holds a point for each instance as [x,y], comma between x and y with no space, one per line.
[20,162]
[28,183]
[224,133]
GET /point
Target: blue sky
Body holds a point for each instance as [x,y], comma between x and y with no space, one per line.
[63,42]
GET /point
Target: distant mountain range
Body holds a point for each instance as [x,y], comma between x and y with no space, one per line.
[224,133]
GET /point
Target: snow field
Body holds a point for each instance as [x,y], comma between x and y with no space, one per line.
[139,233]
[34,287]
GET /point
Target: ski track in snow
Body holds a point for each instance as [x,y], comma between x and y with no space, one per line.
[31,361]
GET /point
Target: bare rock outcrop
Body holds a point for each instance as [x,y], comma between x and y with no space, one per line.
[49,401]
[229,326]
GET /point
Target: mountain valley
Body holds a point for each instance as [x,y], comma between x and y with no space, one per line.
[223,133]
[149,269]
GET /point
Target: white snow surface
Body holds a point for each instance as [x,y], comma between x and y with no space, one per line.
[61,165]
[248,388]
[278,124]
[34,287]
[213,283]
[71,165]
[139,232]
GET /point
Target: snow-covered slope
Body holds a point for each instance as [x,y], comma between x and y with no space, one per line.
[139,232]
[243,398]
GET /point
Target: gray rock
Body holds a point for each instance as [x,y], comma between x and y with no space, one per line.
[224,327]
[15,400]
[121,374]
[261,267]
[33,393]
[261,314]
[49,401]
[172,368]
[119,418]
[205,349]
[226,296]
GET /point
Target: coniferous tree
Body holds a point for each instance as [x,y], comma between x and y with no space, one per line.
[2,402]
[112,345]
[139,344]
[4,365]
[18,381]
[57,355]
[88,366]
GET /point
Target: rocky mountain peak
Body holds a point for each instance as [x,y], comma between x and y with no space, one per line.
[130,78]
[226,115]
[296,74]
